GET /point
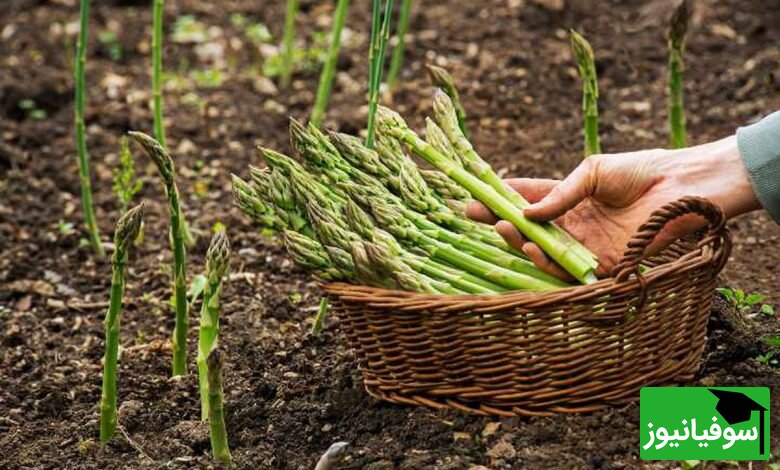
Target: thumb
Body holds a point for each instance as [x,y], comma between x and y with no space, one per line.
[580,184]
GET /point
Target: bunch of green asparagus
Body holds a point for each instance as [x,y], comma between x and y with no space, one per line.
[371,216]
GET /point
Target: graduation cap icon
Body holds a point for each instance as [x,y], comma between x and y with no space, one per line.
[736,407]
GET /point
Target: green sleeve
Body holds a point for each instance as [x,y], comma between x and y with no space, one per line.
[759,147]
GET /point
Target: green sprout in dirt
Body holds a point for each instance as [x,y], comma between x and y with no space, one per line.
[110,41]
[85,179]
[125,184]
[126,231]
[31,110]
[329,67]
[397,60]
[743,303]
[157,38]
[288,42]
[442,79]
[219,442]
[678,27]
[165,167]
[319,320]
[217,265]
[380,33]
[586,64]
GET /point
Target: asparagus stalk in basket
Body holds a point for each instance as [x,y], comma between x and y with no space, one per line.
[504,202]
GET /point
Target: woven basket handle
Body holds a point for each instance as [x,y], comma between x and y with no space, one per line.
[638,244]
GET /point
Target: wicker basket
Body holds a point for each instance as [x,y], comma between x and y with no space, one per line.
[571,350]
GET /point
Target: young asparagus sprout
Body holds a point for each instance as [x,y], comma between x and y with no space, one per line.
[126,232]
[217,265]
[219,440]
[442,79]
[288,42]
[157,38]
[167,172]
[376,59]
[85,178]
[678,27]
[319,320]
[586,64]
[329,67]
[396,61]
[332,457]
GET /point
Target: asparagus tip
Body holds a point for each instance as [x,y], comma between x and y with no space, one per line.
[678,24]
[157,153]
[128,226]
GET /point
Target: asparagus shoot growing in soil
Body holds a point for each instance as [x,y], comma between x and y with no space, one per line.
[678,27]
[442,79]
[380,33]
[329,67]
[126,232]
[85,178]
[586,65]
[167,172]
[217,265]
[397,60]
[219,441]
[157,39]
[319,320]
[288,42]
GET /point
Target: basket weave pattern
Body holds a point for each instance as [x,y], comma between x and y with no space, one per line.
[571,350]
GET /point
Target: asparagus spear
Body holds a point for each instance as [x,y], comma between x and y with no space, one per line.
[126,232]
[288,42]
[217,265]
[310,254]
[475,165]
[678,27]
[360,222]
[219,442]
[398,53]
[85,178]
[329,67]
[586,65]
[375,201]
[165,167]
[250,203]
[391,123]
[376,59]
[442,79]
[444,186]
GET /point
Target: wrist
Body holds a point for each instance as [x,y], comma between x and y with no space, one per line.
[716,171]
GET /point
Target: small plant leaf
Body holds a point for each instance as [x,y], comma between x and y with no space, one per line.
[753,299]
[773,341]
[767,310]
[197,286]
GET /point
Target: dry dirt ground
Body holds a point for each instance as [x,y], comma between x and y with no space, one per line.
[290,395]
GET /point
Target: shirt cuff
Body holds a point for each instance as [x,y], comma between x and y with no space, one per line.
[759,147]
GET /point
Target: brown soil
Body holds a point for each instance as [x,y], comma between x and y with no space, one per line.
[290,395]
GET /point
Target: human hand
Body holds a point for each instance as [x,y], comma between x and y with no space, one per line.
[603,201]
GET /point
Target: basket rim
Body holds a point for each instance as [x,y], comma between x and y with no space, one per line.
[712,249]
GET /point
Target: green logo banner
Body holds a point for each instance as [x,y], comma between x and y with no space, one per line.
[704,423]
